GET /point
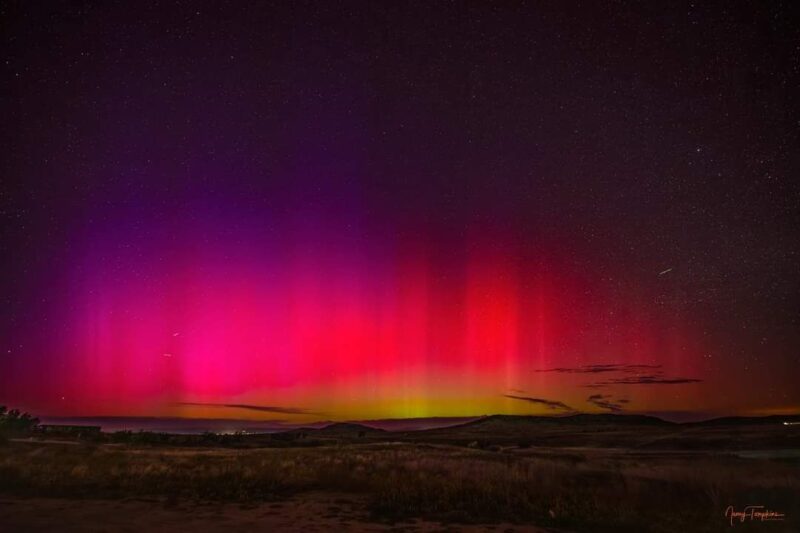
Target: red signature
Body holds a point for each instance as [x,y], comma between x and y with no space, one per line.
[753,512]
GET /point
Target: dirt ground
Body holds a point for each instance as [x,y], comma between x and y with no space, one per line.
[308,513]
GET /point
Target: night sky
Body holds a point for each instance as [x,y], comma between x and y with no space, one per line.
[305,211]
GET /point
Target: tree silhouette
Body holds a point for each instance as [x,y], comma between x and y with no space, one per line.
[15,421]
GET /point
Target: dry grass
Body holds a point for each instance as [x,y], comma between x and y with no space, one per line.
[579,490]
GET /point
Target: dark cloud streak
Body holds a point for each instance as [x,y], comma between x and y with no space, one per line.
[260,408]
[631,374]
[602,368]
[606,401]
[644,380]
[550,404]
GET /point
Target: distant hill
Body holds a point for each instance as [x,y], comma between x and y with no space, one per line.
[745,421]
[516,421]
[493,433]
[337,430]
[415,424]
[348,428]
[172,425]
[615,419]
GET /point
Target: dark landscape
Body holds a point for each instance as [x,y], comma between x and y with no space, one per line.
[503,473]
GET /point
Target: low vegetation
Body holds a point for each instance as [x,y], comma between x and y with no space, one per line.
[583,491]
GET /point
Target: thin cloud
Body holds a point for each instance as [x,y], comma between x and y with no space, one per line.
[606,401]
[646,380]
[627,374]
[250,407]
[553,405]
[602,368]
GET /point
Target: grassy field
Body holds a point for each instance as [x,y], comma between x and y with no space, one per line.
[574,489]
